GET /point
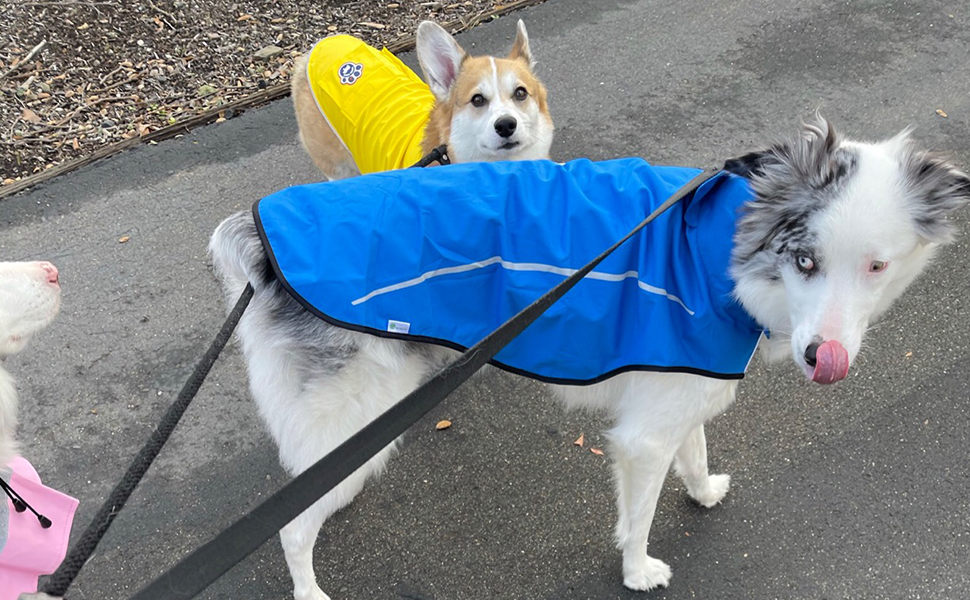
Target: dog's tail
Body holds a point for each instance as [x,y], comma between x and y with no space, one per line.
[238,256]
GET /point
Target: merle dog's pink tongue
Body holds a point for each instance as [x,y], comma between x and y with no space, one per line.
[831,363]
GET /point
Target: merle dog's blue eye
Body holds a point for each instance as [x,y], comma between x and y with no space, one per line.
[805,263]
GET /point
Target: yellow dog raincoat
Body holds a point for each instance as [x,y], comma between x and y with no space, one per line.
[377,105]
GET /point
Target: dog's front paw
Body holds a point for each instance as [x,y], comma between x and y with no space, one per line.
[712,493]
[649,574]
[313,594]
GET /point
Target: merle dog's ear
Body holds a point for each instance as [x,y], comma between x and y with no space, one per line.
[751,164]
[813,157]
[937,189]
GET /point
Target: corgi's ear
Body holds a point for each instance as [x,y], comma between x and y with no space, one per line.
[440,57]
[520,49]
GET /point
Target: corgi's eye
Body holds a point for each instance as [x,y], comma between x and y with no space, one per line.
[805,263]
[478,100]
[878,266]
[521,94]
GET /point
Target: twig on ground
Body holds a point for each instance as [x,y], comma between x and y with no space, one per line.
[131,78]
[167,14]
[92,104]
[26,59]
[69,3]
[110,75]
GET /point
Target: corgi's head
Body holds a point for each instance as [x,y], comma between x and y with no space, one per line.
[486,108]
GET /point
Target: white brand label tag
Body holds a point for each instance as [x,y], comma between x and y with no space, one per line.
[398,326]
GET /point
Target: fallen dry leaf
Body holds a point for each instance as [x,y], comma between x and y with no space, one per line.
[908,354]
[596,451]
[940,112]
[30,116]
[444,424]
[7,181]
[579,441]
[244,17]
[123,239]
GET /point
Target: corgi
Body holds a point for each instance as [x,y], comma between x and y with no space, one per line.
[363,111]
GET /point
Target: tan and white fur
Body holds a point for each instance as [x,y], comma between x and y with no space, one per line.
[486,108]
[30,297]
[836,231]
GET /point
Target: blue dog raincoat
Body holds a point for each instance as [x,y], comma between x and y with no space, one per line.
[446,255]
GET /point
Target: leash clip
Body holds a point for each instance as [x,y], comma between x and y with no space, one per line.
[439,154]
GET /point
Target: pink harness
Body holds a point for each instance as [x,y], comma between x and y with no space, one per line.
[30,549]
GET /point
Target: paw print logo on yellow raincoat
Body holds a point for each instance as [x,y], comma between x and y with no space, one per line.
[350,73]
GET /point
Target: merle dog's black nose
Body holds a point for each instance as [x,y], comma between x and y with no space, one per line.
[505,126]
[810,353]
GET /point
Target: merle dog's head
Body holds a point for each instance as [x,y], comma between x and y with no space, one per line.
[837,230]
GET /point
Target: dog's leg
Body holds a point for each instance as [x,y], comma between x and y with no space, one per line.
[310,408]
[640,465]
[655,415]
[299,537]
[691,464]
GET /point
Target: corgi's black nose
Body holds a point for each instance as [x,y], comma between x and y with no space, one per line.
[810,353]
[505,126]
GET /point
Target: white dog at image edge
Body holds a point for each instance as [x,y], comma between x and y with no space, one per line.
[30,297]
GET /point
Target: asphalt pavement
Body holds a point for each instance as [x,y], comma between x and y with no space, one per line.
[859,490]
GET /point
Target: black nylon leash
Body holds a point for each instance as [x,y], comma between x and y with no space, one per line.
[81,551]
[209,562]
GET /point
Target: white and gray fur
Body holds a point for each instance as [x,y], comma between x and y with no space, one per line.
[315,384]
